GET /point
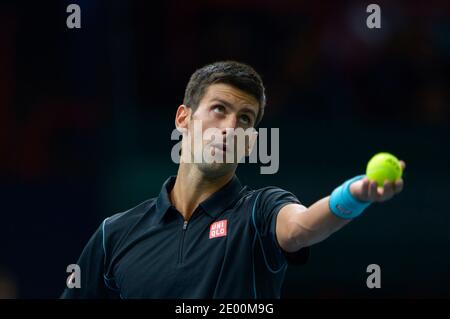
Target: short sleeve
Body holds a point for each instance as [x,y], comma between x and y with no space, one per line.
[92,265]
[270,201]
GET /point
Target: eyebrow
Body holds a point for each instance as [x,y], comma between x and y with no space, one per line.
[228,104]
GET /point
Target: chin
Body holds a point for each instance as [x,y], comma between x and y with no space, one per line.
[215,170]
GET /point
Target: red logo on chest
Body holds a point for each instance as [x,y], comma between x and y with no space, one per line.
[218,229]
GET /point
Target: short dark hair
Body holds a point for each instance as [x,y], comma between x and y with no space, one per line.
[236,74]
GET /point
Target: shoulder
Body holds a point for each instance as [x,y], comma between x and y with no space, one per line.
[266,196]
[274,193]
[122,222]
[131,214]
[269,201]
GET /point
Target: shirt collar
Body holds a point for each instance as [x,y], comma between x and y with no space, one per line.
[163,202]
[213,205]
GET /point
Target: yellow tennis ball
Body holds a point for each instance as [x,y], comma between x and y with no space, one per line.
[383,166]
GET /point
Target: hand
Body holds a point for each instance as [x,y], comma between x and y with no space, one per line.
[365,190]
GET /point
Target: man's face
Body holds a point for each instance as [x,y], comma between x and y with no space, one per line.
[222,107]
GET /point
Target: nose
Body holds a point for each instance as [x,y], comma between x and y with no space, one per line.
[229,122]
[229,125]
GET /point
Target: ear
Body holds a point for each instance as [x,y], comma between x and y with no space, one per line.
[252,143]
[182,117]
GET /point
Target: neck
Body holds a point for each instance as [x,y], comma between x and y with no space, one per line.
[192,187]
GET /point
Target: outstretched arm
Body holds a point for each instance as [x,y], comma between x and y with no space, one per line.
[299,226]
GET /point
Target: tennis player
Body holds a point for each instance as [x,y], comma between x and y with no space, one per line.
[206,235]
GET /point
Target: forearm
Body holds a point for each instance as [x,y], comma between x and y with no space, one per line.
[315,224]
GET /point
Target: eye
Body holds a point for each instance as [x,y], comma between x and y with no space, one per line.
[245,119]
[220,109]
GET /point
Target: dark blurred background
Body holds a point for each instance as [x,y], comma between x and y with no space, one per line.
[86,116]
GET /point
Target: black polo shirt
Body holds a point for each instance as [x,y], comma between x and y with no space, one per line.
[228,249]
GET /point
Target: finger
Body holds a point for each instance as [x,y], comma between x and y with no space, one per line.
[373,190]
[387,191]
[398,185]
[402,165]
[365,187]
